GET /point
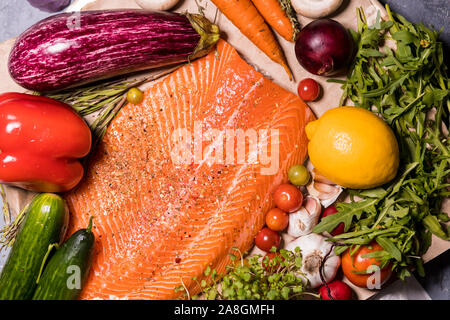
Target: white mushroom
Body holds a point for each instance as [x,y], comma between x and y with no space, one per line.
[314,249]
[304,220]
[158,5]
[316,8]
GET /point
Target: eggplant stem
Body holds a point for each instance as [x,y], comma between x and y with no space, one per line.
[209,34]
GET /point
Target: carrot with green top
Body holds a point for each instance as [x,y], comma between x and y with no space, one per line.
[244,15]
[280,16]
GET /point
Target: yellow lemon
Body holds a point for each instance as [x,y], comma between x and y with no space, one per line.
[353,148]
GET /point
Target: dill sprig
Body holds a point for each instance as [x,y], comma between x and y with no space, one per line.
[292,15]
[102,101]
[5,207]
[9,231]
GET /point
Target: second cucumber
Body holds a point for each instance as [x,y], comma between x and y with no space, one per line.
[67,271]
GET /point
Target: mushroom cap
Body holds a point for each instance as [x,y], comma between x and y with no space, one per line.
[316,8]
[161,5]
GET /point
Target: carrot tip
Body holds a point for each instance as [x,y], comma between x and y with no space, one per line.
[288,71]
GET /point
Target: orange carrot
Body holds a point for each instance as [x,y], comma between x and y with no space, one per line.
[279,17]
[244,15]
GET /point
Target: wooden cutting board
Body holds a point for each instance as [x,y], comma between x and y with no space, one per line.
[332,92]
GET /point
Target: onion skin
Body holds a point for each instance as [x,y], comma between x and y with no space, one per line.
[49,5]
[324,47]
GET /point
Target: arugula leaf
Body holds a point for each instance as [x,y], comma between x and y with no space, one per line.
[390,247]
[346,214]
[404,86]
[432,224]
[404,36]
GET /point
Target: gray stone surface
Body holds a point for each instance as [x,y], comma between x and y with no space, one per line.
[430,12]
[437,14]
[437,279]
[434,13]
[17,15]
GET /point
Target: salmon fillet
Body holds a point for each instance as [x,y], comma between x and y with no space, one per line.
[167,207]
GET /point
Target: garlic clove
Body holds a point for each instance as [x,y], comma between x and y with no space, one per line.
[327,194]
[298,223]
[320,178]
[328,202]
[326,189]
[314,248]
[312,205]
[304,220]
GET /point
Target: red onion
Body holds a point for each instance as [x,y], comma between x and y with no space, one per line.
[324,47]
[49,5]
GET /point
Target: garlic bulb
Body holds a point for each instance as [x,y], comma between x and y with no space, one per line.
[323,189]
[286,238]
[303,221]
[314,248]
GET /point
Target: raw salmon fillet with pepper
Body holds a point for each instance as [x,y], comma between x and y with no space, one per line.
[159,221]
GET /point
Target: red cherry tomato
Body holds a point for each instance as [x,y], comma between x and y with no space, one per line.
[266,239]
[266,261]
[308,89]
[339,291]
[277,219]
[341,226]
[358,263]
[288,197]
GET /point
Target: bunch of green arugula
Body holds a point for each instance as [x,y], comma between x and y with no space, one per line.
[407,86]
[279,279]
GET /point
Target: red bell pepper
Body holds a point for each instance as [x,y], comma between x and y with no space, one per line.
[41,142]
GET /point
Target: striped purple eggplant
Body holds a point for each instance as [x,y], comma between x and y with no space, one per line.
[72,49]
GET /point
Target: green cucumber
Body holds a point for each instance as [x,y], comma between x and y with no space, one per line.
[44,225]
[67,271]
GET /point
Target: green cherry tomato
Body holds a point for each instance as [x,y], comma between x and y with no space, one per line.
[298,175]
[135,96]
